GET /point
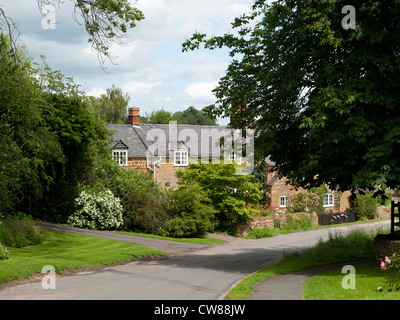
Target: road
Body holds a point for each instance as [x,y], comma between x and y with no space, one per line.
[189,272]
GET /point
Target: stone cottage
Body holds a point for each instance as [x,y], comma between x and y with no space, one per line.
[280,192]
[162,150]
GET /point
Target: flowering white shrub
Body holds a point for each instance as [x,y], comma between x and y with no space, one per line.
[97,211]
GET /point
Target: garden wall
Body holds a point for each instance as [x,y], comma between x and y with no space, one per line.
[269,222]
[384,212]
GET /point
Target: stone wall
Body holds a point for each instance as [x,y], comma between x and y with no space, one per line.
[385,245]
[384,212]
[268,222]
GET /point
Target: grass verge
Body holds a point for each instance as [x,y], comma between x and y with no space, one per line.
[328,285]
[357,245]
[65,251]
[205,240]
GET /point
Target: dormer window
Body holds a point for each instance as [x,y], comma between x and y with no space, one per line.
[181,155]
[181,158]
[120,153]
[121,156]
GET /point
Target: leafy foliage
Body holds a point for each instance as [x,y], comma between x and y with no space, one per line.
[106,22]
[20,231]
[190,212]
[323,99]
[303,202]
[112,106]
[365,206]
[189,116]
[229,193]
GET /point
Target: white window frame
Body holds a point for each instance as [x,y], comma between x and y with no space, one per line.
[329,200]
[181,158]
[121,156]
[284,203]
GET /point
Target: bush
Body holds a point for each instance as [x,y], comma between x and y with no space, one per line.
[365,207]
[230,194]
[190,213]
[145,210]
[3,252]
[301,222]
[20,231]
[303,202]
[185,228]
[97,211]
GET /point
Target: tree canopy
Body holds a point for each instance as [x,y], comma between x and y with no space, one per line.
[322,98]
[112,106]
[189,116]
[50,141]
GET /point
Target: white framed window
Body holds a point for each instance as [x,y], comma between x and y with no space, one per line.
[121,156]
[181,158]
[328,200]
[283,201]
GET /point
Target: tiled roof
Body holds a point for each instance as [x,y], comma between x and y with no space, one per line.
[162,139]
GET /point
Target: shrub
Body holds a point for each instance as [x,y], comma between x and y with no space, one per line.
[97,211]
[190,212]
[229,193]
[301,222]
[4,254]
[303,202]
[20,231]
[365,207]
[185,228]
[320,191]
[145,210]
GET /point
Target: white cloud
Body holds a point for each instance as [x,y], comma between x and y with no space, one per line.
[152,69]
[96,92]
[137,87]
[201,90]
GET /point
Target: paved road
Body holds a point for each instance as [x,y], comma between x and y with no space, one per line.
[187,273]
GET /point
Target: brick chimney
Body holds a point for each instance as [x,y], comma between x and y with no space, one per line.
[134,116]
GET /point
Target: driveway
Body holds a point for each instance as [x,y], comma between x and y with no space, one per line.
[189,272]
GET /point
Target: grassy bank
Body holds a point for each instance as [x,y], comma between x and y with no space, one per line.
[68,251]
[357,245]
[204,240]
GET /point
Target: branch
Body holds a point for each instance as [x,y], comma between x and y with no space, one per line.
[8,24]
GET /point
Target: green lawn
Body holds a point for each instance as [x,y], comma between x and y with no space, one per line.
[204,240]
[68,251]
[357,245]
[328,285]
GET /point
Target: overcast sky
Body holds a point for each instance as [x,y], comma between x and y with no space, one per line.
[152,70]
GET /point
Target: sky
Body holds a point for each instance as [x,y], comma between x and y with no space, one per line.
[152,69]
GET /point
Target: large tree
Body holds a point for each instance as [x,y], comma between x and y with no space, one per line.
[323,98]
[112,106]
